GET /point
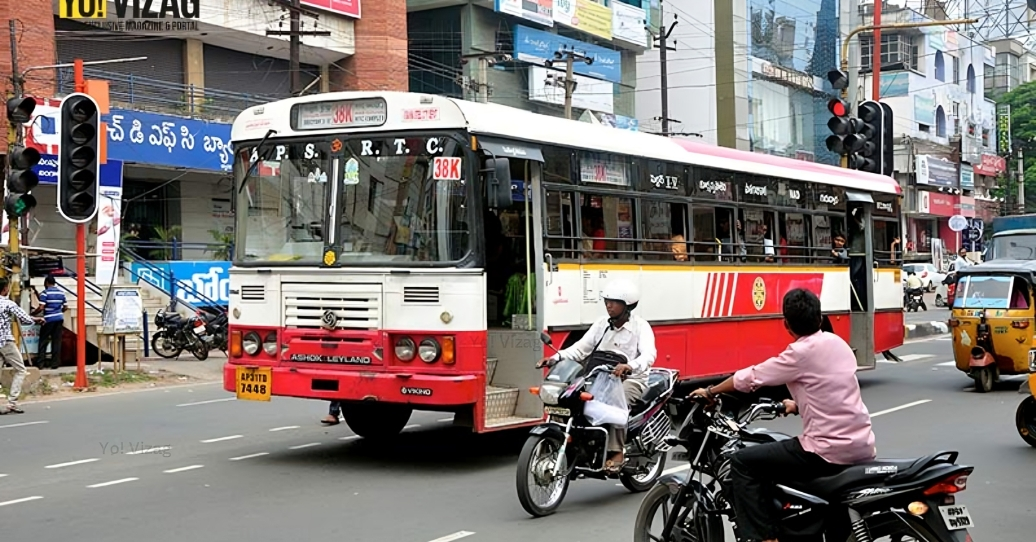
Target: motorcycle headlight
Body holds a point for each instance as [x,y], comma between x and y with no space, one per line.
[405,349]
[250,343]
[270,344]
[429,350]
[550,393]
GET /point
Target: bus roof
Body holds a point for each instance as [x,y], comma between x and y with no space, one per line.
[505,122]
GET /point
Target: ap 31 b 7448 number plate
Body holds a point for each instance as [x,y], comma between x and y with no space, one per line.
[557,411]
[956,517]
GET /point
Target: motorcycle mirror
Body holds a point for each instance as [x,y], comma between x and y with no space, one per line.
[546,339]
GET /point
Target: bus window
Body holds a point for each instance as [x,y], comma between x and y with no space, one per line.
[664,229]
[793,239]
[886,232]
[825,229]
[758,234]
[615,223]
[561,232]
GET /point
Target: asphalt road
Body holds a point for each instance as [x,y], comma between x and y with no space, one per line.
[933,314]
[213,468]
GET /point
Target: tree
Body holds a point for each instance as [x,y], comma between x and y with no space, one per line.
[1023,133]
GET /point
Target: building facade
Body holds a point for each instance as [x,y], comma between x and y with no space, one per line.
[168,176]
[504,52]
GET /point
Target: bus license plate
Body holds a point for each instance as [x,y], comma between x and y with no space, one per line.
[557,411]
[956,517]
[254,383]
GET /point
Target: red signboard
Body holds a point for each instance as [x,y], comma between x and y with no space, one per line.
[991,166]
[941,204]
[349,8]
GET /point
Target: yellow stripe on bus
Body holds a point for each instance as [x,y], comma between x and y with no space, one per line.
[701,268]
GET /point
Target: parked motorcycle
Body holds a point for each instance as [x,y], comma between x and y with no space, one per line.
[568,447]
[895,498]
[176,334]
[915,300]
[215,335]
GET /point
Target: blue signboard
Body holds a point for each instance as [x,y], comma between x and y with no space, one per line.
[193,280]
[536,46]
[148,138]
[110,174]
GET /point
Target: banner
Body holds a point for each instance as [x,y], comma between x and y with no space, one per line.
[585,15]
[537,11]
[109,217]
[590,93]
[629,23]
[536,47]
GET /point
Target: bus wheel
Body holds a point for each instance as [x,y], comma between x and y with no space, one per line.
[376,421]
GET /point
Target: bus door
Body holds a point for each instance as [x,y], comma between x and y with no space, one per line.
[513,283]
[862,274]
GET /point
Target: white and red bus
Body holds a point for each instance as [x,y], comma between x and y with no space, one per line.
[401,252]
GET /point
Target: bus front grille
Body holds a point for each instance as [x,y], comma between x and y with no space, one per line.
[355,306]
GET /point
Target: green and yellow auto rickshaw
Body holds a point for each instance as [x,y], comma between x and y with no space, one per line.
[992,320]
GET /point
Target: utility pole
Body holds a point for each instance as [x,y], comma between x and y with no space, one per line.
[569,56]
[13,258]
[876,54]
[1021,181]
[663,48]
[485,60]
[295,11]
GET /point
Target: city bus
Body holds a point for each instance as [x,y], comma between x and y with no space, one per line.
[400,251]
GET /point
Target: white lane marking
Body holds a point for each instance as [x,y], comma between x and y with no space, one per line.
[224,400]
[350,437]
[16,501]
[249,456]
[285,428]
[221,439]
[70,463]
[445,420]
[946,364]
[23,424]
[455,536]
[120,393]
[916,357]
[301,446]
[150,450]
[411,426]
[901,407]
[3,475]
[182,469]
[113,482]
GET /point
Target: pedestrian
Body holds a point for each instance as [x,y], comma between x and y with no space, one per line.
[9,350]
[54,305]
[334,414]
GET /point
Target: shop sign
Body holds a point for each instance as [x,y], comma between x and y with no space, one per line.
[585,15]
[934,171]
[629,23]
[967,177]
[991,166]
[934,203]
[536,47]
[537,11]
[210,279]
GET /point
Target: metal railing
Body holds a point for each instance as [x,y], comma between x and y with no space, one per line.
[146,94]
[168,278]
[174,250]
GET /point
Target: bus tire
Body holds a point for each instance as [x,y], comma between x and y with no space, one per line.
[376,421]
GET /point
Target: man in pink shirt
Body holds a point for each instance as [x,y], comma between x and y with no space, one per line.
[819,369]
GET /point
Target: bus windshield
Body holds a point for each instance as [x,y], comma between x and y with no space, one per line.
[373,198]
[1021,246]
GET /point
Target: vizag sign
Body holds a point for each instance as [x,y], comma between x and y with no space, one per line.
[135,15]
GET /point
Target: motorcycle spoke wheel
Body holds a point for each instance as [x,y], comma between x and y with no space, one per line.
[656,512]
[544,488]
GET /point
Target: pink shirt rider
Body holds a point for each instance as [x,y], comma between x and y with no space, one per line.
[820,372]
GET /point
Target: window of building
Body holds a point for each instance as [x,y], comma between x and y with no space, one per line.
[940,66]
[985,138]
[895,48]
[956,70]
[971,78]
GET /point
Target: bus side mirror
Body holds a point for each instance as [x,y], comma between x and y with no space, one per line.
[498,183]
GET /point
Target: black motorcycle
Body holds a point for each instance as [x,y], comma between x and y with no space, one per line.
[569,447]
[915,299]
[215,325]
[903,499]
[176,334]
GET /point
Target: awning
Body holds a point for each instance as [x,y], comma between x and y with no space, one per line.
[858,196]
[510,149]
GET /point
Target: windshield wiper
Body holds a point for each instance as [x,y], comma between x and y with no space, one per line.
[259,157]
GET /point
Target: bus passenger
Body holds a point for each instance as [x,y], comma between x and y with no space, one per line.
[679,248]
[839,253]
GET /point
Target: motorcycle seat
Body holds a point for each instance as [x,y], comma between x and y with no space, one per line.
[856,476]
[657,384]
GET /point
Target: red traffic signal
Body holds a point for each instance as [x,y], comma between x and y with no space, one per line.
[838,107]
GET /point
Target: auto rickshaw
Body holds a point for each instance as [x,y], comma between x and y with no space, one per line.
[1025,418]
[992,320]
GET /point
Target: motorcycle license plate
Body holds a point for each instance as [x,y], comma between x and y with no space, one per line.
[557,411]
[200,330]
[956,517]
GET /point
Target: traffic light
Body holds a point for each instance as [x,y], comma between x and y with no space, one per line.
[872,153]
[887,143]
[20,178]
[845,140]
[77,158]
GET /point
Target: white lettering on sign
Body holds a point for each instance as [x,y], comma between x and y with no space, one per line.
[794,194]
[670,182]
[712,187]
[828,199]
[753,190]
[884,206]
[433,146]
[423,114]
[446,168]
[365,147]
[401,147]
[604,172]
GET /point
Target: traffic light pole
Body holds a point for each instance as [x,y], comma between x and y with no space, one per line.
[14,137]
[81,382]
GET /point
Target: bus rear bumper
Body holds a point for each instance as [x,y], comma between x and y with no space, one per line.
[340,385]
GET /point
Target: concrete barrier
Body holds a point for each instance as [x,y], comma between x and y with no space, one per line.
[925,329]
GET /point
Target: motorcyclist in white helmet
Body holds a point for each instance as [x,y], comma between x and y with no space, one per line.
[623,333]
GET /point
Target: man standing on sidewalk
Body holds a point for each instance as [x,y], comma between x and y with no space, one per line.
[54,305]
[9,350]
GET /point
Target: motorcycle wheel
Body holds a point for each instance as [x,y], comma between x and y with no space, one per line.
[164,345]
[1025,419]
[200,351]
[643,482]
[538,457]
[698,528]
[984,379]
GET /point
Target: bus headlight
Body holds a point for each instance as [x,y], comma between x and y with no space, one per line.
[405,349]
[250,342]
[429,350]
[270,344]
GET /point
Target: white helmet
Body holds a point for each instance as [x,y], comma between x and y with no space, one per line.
[622,290]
